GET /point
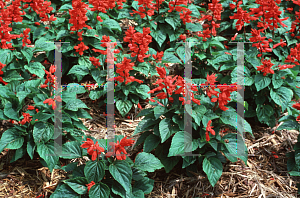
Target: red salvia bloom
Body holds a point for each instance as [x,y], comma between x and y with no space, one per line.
[93,149]
[80,48]
[266,67]
[27,117]
[30,107]
[78,15]
[90,185]
[118,148]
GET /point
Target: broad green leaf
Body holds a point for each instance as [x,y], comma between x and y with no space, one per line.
[75,104]
[143,91]
[151,143]
[10,111]
[79,70]
[20,152]
[181,143]
[123,106]
[145,184]
[122,173]
[168,162]
[78,184]
[264,112]
[159,35]
[42,44]
[147,162]
[76,88]
[165,129]
[230,117]
[27,52]
[64,191]
[236,146]
[71,150]
[261,81]
[42,132]
[94,171]
[47,152]
[281,96]
[6,56]
[213,169]
[198,113]
[112,24]
[99,190]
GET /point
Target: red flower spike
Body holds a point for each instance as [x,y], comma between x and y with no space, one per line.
[90,185]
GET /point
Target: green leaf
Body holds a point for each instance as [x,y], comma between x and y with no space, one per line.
[6,56]
[236,146]
[151,143]
[46,152]
[165,129]
[195,12]
[78,184]
[20,152]
[112,24]
[11,139]
[79,70]
[42,132]
[39,32]
[159,35]
[282,96]
[217,44]
[159,110]
[12,75]
[94,171]
[30,148]
[144,124]
[36,68]
[264,112]
[99,190]
[173,20]
[27,52]
[145,184]
[122,173]
[181,143]
[75,104]
[123,106]
[230,117]
[64,191]
[261,81]
[76,88]
[143,90]
[168,162]
[147,162]
[10,111]
[42,44]
[170,58]
[213,169]
[198,113]
[194,27]
[143,68]
[71,150]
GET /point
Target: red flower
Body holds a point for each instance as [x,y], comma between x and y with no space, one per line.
[209,128]
[92,149]
[30,107]
[119,147]
[90,185]
[80,48]
[27,117]
[266,67]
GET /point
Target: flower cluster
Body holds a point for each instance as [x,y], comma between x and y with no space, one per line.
[225,90]
[25,34]
[93,149]
[167,83]
[7,15]
[297,106]
[147,7]
[242,16]
[262,45]
[118,148]
[209,129]
[270,12]
[50,77]
[266,67]
[41,7]
[123,69]
[1,73]
[78,15]
[216,9]
[103,6]
[51,101]
[143,40]
[294,54]
[27,118]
